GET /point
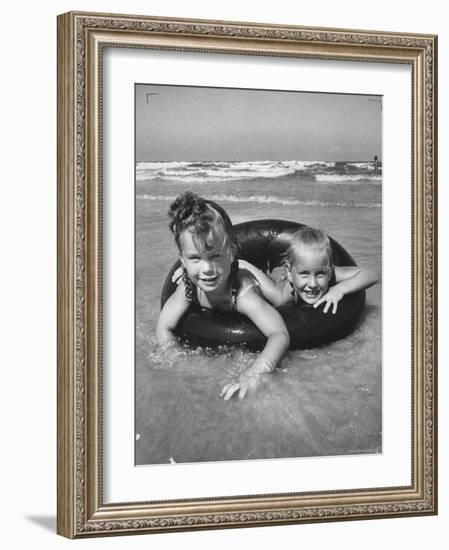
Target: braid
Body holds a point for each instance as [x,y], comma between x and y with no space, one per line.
[234,277]
[188,285]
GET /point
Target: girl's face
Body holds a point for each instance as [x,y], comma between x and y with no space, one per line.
[207,268]
[310,274]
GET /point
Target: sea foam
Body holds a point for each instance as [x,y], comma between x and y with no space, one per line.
[206,172]
[264,199]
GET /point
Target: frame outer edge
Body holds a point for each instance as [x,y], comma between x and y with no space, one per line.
[126,18]
[434,297]
[79,493]
[66,428]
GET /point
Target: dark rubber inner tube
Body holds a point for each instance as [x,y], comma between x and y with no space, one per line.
[263,243]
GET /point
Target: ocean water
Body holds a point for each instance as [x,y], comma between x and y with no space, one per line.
[325,401]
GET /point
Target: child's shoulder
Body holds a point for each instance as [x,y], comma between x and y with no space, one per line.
[246,278]
[181,292]
[246,282]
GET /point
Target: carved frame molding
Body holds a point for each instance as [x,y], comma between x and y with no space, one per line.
[81,38]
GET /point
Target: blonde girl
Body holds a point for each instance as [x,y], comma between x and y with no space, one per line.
[311,276]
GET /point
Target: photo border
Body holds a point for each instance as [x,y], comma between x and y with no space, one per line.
[81,39]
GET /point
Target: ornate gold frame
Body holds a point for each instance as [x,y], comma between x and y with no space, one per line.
[81,37]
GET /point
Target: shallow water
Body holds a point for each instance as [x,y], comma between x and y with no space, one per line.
[324,401]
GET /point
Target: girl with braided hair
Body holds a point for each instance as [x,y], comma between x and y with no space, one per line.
[211,278]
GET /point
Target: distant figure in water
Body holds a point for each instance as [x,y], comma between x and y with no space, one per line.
[376,163]
[311,276]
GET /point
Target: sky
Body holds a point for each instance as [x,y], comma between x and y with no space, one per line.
[204,123]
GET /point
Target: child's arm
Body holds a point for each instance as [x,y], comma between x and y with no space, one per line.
[272,292]
[271,324]
[174,308]
[349,279]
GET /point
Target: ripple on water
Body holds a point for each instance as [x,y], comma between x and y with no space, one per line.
[325,401]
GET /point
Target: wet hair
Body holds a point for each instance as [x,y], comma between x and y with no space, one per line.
[205,219]
[309,238]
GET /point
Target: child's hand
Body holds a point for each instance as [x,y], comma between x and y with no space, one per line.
[177,276]
[332,297]
[248,381]
[243,264]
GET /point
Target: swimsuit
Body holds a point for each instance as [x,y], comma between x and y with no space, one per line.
[199,299]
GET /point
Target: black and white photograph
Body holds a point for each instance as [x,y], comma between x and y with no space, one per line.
[258,246]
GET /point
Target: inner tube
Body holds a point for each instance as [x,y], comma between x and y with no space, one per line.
[263,243]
